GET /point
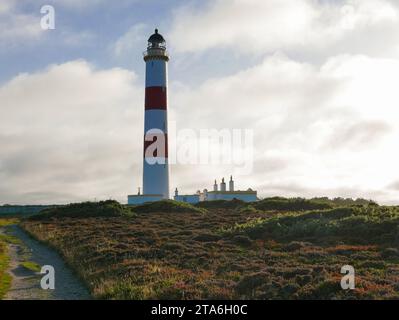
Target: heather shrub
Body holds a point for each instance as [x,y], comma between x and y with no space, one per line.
[167,206]
[207,237]
[294,204]
[359,224]
[109,208]
[221,204]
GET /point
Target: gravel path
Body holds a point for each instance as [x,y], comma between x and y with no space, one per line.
[26,284]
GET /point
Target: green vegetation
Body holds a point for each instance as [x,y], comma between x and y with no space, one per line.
[344,202]
[276,248]
[31,266]
[221,204]
[5,278]
[167,206]
[294,204]
[284,204]
[357,224]
[7,222]
[109,208]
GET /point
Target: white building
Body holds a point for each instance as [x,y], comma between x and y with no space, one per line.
[219,194]
[189,198]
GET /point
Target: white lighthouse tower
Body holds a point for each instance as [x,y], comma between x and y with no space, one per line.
[155,164]
[156,169]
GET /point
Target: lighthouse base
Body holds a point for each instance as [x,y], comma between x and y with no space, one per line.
[140,199]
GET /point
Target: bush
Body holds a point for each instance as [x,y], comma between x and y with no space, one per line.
[242,241]
[371,224]
[250,283]
[207,237]
[294,204]
[221,204]
[109,208]
[167,206]
[172,246]
[325,290]
[390,253]
[296,245]
[247,209]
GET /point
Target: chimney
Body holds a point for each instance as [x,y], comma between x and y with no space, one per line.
[223,186]
[231,184]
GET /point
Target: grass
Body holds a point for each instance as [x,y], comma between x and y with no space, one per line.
[5,278]
[8,222]
[31,266]
[231,250]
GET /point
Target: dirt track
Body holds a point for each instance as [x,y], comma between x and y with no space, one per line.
[26,284]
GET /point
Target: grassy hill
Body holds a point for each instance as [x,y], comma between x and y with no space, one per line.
[109,208]
[276,248]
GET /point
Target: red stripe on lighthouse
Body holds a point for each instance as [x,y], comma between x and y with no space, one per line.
[155,98]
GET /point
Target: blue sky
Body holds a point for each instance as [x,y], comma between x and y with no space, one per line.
[104,22]
[97,27]
[314,80]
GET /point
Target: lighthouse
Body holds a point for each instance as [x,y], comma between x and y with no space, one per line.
[155,168]
[155,157]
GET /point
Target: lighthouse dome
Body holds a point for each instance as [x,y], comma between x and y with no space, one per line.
[156,48]
[156,38]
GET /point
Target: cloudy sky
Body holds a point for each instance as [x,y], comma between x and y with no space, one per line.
[316,81]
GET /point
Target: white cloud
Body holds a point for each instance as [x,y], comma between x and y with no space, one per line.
[134,39]
[16,26]
[257,26]
[78,4]
[68,133]
[329,130]
[5,6]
